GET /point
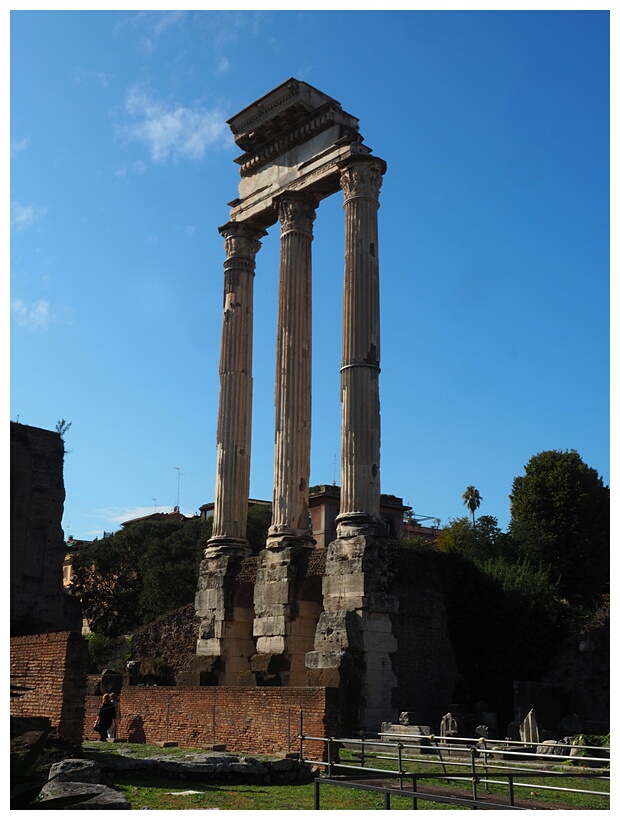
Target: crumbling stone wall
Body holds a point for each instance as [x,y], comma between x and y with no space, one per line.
[258,720]
[424,664]
[168,643]
[49,674]
[38,603]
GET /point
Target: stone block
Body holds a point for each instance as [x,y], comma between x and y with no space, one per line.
[269,663]
[380,643]
[75,770]
[325,660]
[337,631]
[269,625]
[328,678]
[210,646]
[275,645]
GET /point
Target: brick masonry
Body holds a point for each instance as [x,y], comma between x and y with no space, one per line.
[53,666]
[257,720]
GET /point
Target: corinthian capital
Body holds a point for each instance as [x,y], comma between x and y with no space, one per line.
[362,177]
[296,212]
[241,239]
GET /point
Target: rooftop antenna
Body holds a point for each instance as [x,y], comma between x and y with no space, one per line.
[179,474]
[335,462]
[154,500]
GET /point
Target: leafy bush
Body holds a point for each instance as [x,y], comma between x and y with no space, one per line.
[108,653]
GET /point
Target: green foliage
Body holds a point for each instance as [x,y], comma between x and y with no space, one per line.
[259,521]
[415,542]
[560,521]
[483,542]
[62,427]
[139,573]
[108,653]
[503,619]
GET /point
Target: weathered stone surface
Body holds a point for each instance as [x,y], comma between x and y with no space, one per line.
[99,797]
[76,770]
[529,731]
[38,602]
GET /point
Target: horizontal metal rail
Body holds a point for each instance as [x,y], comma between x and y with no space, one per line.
[414,796]
[481,768]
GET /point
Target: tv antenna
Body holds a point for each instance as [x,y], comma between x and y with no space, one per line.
[179,474]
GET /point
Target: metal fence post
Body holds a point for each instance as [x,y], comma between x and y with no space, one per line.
[474,777]
[511,790]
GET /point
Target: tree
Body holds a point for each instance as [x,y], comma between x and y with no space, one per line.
[560,521]
[472,499]
[139,573]
[483,542]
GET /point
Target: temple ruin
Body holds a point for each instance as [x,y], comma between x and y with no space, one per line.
[300,147]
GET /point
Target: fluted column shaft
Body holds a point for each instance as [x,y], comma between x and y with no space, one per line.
[293,388]
[360,180]
[234,425]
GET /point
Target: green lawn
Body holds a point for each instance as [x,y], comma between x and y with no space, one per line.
[174,794]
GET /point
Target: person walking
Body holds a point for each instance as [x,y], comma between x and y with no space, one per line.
[107,715]
[113,730]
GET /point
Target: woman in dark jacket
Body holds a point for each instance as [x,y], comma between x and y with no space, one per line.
[107,715]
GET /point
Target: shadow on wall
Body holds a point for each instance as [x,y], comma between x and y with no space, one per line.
[135,732]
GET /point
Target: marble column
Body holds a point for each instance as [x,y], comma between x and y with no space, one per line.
[234,426]
[293,387]
[361,178]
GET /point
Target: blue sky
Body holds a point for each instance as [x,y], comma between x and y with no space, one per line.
[493,249]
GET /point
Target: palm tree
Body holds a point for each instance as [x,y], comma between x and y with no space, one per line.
[472,499]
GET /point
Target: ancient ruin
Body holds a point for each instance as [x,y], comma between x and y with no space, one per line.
[299,147]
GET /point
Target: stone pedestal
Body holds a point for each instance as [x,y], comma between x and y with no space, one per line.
[214,606]
[354,641]
[281,637]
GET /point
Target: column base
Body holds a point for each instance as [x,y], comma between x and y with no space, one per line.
[225,545]
[352,524]
[281,539]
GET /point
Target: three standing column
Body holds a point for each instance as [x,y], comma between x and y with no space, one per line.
[361,178]
[234,425]
[293,387]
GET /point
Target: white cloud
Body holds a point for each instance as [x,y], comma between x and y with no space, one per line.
[137,167]
[222,66]
[24,215]
[173,131]
[118,515]
[167,19]
[37,316]
[18,147]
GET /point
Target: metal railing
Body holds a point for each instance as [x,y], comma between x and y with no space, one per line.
[475,761]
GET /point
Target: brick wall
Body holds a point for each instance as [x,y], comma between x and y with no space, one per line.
[53,666]
[258,720]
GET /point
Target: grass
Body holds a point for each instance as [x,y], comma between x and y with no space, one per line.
[162,794]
